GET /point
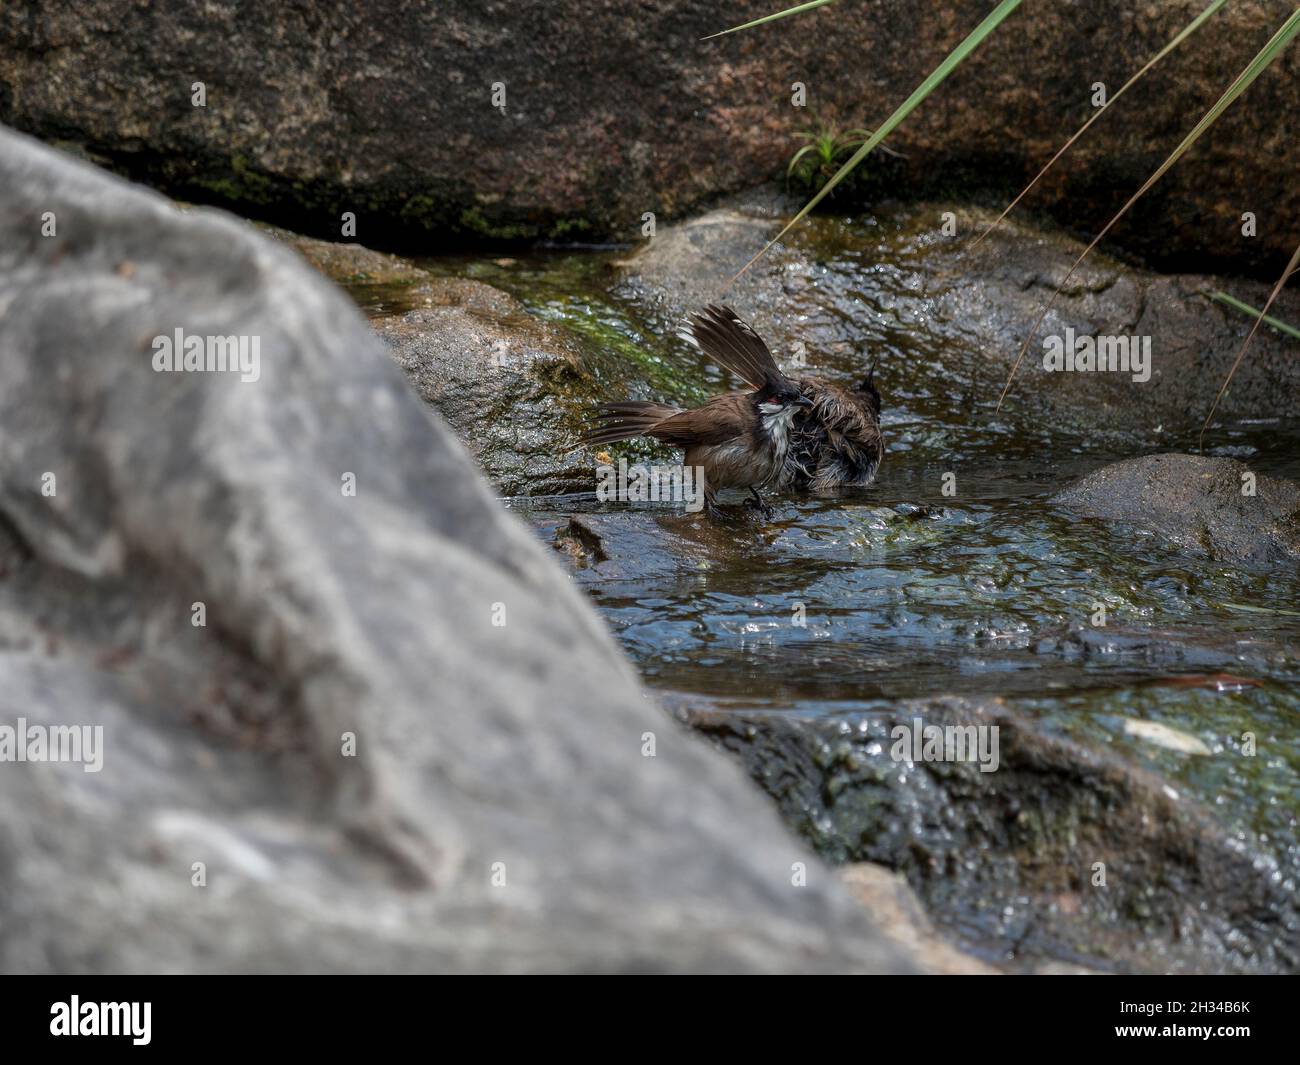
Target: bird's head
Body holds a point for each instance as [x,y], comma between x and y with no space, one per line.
[778,397]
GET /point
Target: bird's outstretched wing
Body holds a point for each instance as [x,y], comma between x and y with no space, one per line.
[720,421]
[733,345]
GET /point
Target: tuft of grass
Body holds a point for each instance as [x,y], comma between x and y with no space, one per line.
[825,151]
[953,60]
[1263,59]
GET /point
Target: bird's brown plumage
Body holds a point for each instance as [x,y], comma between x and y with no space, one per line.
[746,440]
[723,436]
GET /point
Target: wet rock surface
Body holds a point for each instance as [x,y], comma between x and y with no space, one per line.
[497,814]
[1158,739]
[510,387]
[1215,506]
[1011,861]
[610,112]
[835,292]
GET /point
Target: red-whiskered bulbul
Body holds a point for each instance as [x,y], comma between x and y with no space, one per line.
[805,433]
[739,439]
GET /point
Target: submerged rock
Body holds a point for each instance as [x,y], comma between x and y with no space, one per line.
[569,119]
[951,320]
[1214,506]
[354,718]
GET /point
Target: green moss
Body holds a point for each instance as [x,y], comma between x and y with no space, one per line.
[471,220]
[568,226]
[241,184]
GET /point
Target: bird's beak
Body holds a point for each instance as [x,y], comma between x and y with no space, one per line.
[803,401]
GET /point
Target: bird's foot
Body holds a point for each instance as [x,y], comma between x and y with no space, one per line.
[755,502]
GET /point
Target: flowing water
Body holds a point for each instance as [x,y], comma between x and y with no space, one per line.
[902,591]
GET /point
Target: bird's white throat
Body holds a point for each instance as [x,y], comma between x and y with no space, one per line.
[776,423]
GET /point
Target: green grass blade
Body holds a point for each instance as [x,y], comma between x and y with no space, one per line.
[1243,81]
[770,18]
[797,156]
[1246,308]
[1261,317]
[1186,32]
[954,59]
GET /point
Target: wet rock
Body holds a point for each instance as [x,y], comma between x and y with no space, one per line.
[613,111]
[516,390]
[513,389]
[1201,504]
[496,812]
[349,263]
[951,320]
[1008,859]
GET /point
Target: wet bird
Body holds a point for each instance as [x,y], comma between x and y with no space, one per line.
[801,433]
[740,439]
[835,443]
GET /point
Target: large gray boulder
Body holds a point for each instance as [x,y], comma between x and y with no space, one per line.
[612,110]
[499,812]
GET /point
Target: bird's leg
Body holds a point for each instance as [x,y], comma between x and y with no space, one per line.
[757,503]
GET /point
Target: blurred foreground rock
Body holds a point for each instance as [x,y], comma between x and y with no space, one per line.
[498,813]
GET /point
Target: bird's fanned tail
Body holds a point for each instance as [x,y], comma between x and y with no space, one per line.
[623,421]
